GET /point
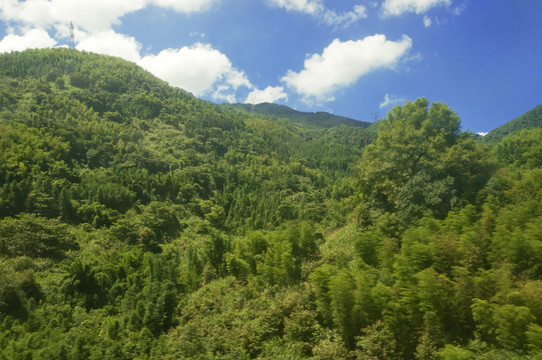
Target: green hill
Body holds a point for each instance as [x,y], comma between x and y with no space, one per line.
[530,120]
[139,222]
[321,119]
[115,118]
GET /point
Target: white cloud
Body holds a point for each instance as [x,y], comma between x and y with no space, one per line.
[332,18]
[197,34]
[343,63]
[91,16]
[199,69]
[270,94]
[94,16]
[223,93]
[32,39]
[111,43]
[459,9]
[481,133]
[185,6]
[427,21]
[312,7]
[317,9]
[399,7]
[391,100]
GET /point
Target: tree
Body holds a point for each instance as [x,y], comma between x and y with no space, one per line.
[412,166]
[342,294]
[376,343]
[505,326]
[30,235]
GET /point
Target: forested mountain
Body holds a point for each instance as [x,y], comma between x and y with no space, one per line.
[530,120]
[139,222]
[322,119]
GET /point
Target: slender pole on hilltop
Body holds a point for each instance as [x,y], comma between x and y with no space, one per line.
[70,59]
[72,37]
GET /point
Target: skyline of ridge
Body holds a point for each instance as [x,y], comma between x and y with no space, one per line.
[353,58]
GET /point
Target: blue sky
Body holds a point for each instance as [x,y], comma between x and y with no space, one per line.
[350,57]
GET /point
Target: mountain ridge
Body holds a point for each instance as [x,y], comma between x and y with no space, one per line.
[319,118]
[528,120]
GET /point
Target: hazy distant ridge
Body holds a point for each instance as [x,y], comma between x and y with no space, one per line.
[321,119]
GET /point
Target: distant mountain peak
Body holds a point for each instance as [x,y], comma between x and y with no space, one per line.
[319,118]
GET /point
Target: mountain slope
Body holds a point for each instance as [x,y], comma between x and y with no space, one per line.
[114,119]
[320,119]
[530,120]
[139,222]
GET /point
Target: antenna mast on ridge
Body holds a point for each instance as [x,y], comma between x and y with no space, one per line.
[72,37]
[70,59]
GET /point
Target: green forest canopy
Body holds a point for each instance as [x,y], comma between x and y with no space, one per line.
[530,120]
[137,221]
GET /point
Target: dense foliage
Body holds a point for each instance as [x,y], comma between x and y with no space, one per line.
[138,222]
[321,119]
[530,120]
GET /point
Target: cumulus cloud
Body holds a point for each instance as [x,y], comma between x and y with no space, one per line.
[111,43]
[317,9]
[269,94]
[344,63]
[91,16]
[95,16]
[199,69]
[223,93]
[32,39]
[391,100]
[399,7]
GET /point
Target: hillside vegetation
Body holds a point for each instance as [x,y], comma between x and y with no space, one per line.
[530,120]
[139,222]
[321,119]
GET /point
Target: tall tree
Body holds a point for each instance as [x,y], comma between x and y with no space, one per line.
[420,162]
